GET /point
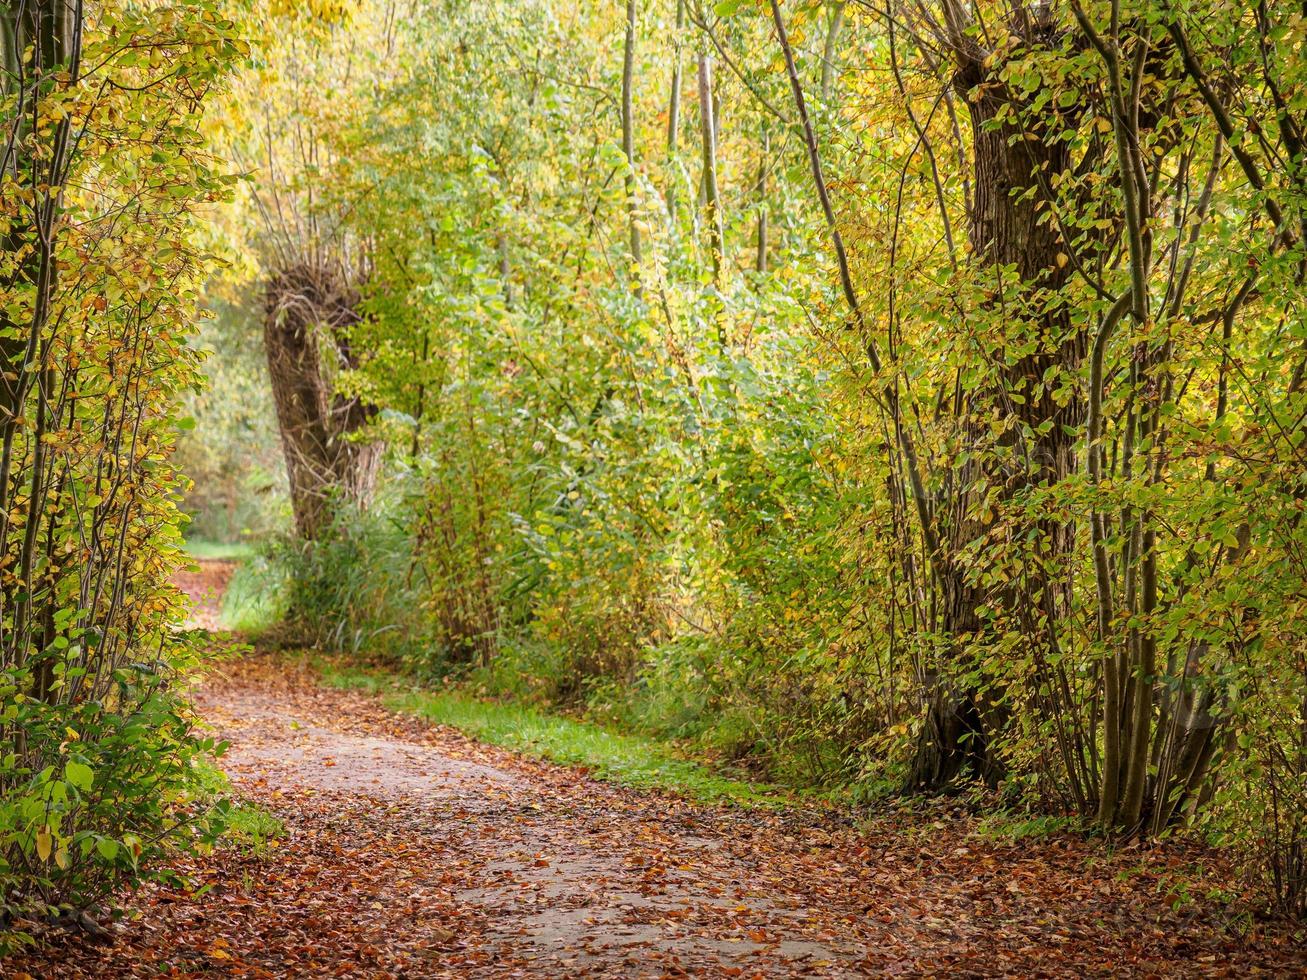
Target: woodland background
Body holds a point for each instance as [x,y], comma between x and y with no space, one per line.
[883,397]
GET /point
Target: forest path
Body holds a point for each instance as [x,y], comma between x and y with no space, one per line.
[206,585]
[464,860]
[413,851]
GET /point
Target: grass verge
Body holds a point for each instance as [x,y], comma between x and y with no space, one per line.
[628,760]
[253,600]
[219,550]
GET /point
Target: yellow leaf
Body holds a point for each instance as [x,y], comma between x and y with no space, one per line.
[61,858]
[44,842]
[1062,259]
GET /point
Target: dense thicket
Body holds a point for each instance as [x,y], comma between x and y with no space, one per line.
[103,170]
[893,393]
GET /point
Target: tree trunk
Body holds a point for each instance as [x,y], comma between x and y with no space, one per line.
[628,132]
[712,201]
[764,158]
[308,311]
[953,743]
[674,116]
[1011,164]
[37,37]
[40,51]
[831,48]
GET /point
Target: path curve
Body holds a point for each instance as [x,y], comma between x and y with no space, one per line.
[416,852]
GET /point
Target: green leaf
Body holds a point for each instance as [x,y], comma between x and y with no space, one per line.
[79,775]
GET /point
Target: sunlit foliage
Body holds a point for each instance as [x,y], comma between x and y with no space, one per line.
[103,171]
[933,415]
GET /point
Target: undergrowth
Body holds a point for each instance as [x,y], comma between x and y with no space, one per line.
[254,601]
[247,827]
[626,759]
[206,550]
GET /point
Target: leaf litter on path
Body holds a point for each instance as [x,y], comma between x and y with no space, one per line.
[417,852]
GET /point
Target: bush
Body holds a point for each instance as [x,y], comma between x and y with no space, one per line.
[351,590]
[100,789]
[96,777]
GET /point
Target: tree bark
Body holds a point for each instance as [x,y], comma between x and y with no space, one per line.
[764,154]
[308,310]
[712,201]
[1012,164]
[833,32]
[37,37]
[628,130]
[674,115]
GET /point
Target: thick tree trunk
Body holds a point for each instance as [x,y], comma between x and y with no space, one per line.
[1011,164]
[952,743]
[308,311]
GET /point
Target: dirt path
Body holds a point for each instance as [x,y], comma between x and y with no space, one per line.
[205,586]
[505,864]
[417,852]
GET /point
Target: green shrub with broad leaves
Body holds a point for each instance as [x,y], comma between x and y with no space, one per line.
[100,791]
[105,173]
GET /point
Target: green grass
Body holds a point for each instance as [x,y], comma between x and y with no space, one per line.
[253,602]
[1011,827]
[218,550]
[249,826]
[629,760]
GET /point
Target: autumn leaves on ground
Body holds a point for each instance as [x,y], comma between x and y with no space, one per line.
[411,851]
